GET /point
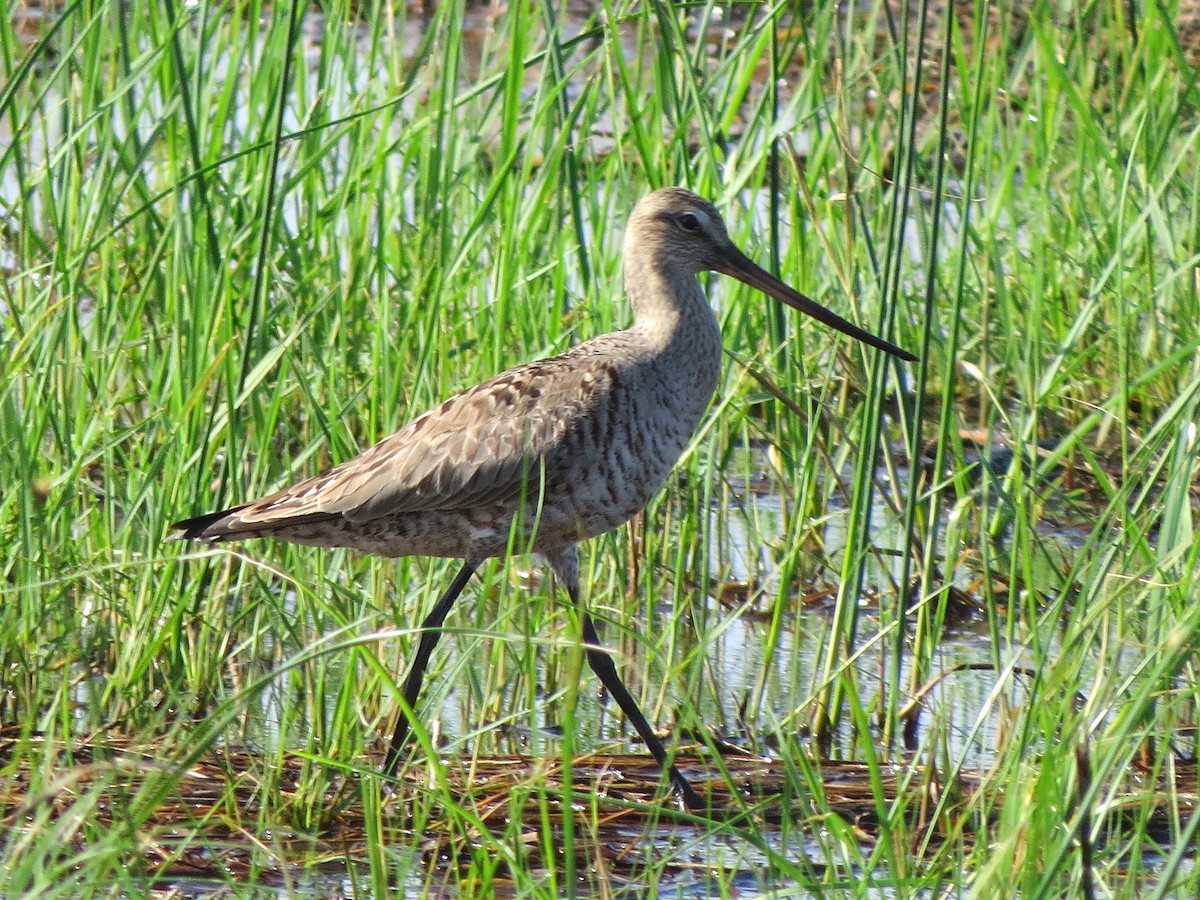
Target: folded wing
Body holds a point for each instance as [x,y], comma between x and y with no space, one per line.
[487,445]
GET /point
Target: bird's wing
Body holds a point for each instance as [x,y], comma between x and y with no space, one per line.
[485,445]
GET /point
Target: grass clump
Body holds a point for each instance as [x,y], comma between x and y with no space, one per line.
[241,243]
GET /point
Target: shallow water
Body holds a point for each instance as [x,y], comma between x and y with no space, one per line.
[962,707]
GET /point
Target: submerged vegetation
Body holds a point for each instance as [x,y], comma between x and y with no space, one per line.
[240,242]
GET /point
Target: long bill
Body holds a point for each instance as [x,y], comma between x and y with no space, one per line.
[741,267]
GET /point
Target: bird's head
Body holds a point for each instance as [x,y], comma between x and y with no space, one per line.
[676,234]
[678,230]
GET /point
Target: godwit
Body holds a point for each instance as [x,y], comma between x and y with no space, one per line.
[551,452]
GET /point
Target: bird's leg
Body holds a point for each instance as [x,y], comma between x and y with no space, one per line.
[606,671]
[431,631]
[566,566]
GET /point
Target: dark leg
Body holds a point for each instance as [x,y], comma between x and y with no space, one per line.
[606,671]
[565,562]
[431,631]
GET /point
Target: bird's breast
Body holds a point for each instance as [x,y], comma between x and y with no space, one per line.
[623,451]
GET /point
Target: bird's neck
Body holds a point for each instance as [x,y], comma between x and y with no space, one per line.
[677,344]
[669,306]
[678,335]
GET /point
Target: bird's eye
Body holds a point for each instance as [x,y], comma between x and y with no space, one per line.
[688,222]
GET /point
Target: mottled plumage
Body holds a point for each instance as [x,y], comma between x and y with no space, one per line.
[561,449]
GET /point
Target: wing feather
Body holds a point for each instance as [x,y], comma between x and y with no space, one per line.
[483,446]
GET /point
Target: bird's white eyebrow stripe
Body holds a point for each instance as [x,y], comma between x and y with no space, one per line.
[667,215]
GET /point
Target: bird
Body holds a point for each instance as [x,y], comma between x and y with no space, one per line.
[546,454]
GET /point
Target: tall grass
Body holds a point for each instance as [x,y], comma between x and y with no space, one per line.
[242,242]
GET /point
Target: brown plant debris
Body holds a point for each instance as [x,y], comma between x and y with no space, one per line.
[237,812]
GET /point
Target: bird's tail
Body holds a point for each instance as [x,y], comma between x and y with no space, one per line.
[212,526]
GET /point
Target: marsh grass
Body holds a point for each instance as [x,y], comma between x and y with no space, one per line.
[241,242]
